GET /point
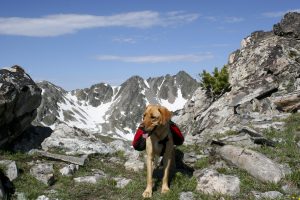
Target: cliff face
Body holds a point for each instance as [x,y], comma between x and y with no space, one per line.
[19,99]
[265,78]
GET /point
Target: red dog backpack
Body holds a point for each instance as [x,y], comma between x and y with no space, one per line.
[139,141]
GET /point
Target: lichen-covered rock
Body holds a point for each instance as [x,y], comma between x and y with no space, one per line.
[11,170]
[267,195]
[210,181]
[92,178]
[69,170]
[19,99]
[43,172]
[256,164]
[186,196]
[121,182]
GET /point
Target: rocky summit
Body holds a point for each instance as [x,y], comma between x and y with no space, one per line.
[112,110]
[245,144]
[264,75]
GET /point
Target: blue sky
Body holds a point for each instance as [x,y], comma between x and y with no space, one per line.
[77,43]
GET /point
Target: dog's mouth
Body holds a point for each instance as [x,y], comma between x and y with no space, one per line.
[149,130]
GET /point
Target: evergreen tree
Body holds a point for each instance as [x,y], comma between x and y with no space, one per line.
[217,83]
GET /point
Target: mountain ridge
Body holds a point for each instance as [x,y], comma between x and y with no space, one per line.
[107,109]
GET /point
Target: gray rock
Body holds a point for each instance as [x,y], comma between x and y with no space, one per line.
[43,197]
[135,165]
[19,99]
[71,159]
[91,179]
[75,141]
[119,145]
[210,181]
[290,189]
[122,182]
[11,170]
[115,160]
[191,157]
[69,170]
[20,196]
[289,26]
[267,195]
[43,172]
[186,196]
[288,102]
[253,162]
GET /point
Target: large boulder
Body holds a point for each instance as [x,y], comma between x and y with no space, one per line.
[19,99]
[256,164]
[209,181]
[74,141]
[264,75]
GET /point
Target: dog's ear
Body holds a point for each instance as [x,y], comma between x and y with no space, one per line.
[165,115]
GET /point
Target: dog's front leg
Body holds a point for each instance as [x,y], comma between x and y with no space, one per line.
[150,158]
[167,159]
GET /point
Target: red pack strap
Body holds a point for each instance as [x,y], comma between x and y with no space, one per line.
[176,133]
[139,142]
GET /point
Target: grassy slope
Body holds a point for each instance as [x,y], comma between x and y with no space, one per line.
[285,152]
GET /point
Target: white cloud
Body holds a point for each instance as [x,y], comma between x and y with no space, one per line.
[60,24]
[157,58]
[278,13]
[233,19]
[124,40]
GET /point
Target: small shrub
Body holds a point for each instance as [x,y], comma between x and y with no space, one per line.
[217,83]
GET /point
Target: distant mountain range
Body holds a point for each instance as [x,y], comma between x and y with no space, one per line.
[112,110]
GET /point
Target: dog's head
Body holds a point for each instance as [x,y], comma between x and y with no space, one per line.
[154,116]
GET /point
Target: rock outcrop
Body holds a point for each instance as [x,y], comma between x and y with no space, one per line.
[265,81]
[75,141]
[19,99]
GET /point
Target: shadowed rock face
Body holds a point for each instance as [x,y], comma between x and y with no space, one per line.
[264,69]
[19,99]
[289,26]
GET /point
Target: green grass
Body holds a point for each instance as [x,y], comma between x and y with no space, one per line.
[287,150]
[29,185]
[66,189]
[202,163]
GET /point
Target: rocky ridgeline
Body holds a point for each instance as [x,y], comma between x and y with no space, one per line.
[109,110]
[265,82]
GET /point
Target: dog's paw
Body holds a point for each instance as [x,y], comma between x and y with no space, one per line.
[147,194]
[165,190]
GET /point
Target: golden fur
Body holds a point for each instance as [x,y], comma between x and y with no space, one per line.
[156,119]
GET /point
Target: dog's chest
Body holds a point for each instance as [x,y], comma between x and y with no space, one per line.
[157,148]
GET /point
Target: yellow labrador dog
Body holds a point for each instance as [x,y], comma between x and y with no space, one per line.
[159,142]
